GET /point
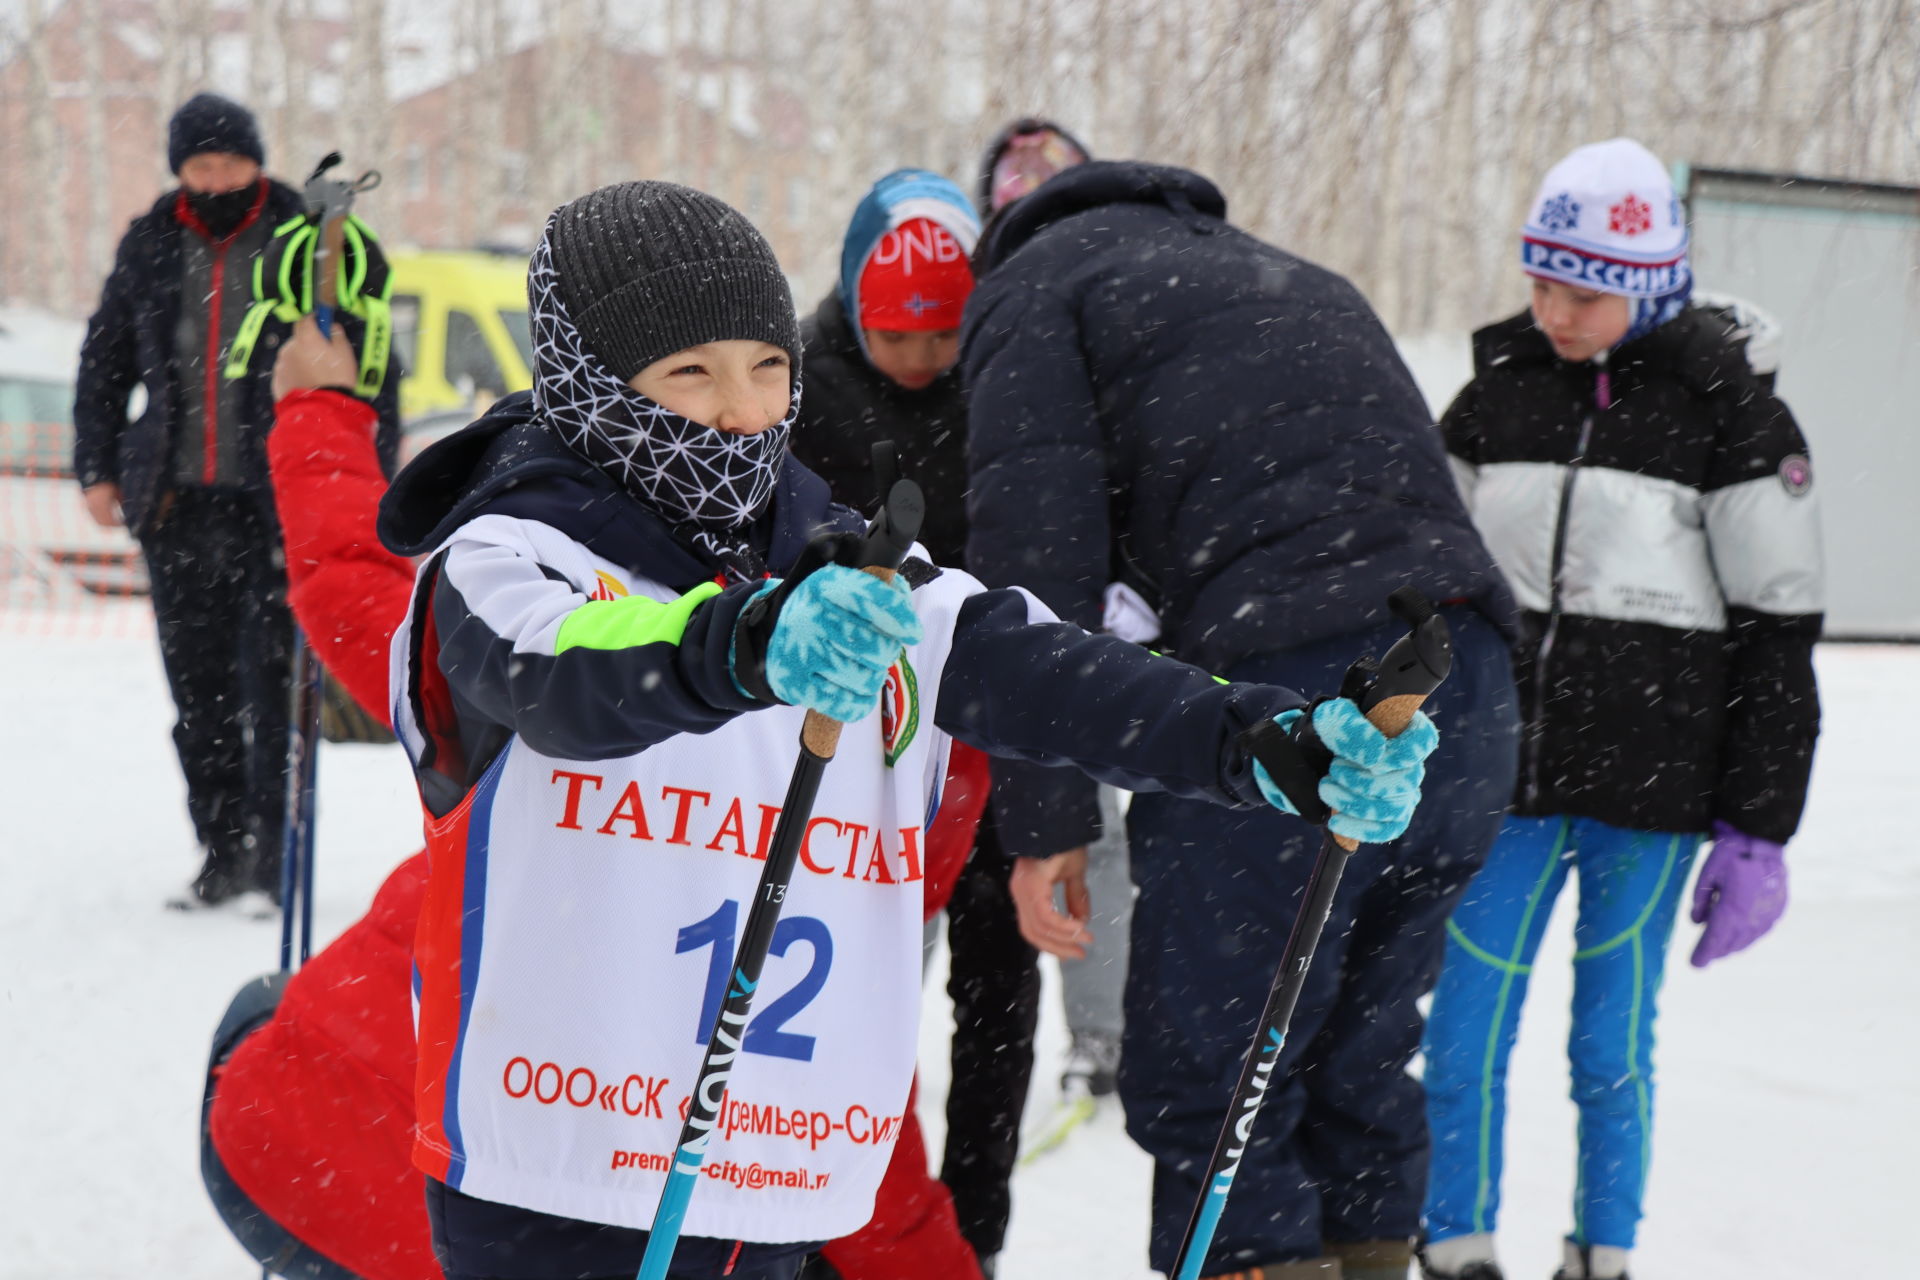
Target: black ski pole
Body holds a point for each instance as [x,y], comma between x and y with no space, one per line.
[315,698]
[1390,695]
[329,201]
[888,540]
[297,827]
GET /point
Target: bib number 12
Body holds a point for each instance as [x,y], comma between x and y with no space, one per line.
[720,931]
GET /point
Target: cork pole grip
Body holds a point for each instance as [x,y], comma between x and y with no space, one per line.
[333,239]
[1390,716]
[821,734]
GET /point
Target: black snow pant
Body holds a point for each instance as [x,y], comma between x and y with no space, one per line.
[220,599]
[1339,1151]
[477,1239]
[994,980]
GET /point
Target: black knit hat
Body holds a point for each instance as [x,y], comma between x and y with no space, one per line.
[649,268]
[208,122]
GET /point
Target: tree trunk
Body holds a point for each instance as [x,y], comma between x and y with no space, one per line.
[56,290]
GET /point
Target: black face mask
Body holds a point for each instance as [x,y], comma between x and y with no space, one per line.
[222,212]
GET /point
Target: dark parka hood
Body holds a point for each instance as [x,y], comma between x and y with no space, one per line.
[511,463]
[1090,186]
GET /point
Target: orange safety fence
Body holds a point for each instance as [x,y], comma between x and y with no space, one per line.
[60,573]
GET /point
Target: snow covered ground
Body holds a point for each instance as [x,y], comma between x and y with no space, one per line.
[1789,1108]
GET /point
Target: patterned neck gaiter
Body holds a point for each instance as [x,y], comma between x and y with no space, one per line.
[710,485]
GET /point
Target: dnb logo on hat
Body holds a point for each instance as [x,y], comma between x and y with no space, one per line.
[899,710]
[917,278]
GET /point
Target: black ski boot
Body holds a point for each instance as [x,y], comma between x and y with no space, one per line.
[1593,1262]
[1477,1269]
[222,878]
[1371,1259]
[1093,1065]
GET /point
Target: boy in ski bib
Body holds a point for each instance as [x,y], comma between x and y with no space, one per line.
[630,596]
[1650,500]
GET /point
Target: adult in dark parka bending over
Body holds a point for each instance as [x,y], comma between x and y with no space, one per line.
[1159,399]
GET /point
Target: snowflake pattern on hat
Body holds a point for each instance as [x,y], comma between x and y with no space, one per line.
[710,483]
[1631,216]
[1560,213]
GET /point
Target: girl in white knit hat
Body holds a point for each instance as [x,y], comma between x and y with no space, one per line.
[1650,501]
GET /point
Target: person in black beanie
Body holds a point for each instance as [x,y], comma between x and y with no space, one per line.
[188,478]
[630,595]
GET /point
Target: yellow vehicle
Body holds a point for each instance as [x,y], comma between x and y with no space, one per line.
[459,329]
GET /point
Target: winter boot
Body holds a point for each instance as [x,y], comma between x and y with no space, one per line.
[1093,1065]
[224,876]
[1593,1262]
[1460,1258]
[1372,1259]
[1305,1269]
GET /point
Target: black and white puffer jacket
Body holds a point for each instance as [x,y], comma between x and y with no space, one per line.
[1665,550]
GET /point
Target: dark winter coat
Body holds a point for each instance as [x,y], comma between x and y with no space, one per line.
[1666,552]
[131,343]
[847,406]
[1159,398]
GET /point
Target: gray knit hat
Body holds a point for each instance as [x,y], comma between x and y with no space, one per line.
[649,268]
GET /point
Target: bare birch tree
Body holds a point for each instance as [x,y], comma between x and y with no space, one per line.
[45,164]
[367,121]
[97,87]
[1397,141]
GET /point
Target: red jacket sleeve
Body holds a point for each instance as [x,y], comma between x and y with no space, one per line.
[950,838]
[347,591]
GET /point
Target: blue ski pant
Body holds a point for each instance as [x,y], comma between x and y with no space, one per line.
[1630,888]
[1339,1152]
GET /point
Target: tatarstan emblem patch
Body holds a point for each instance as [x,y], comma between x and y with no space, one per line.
[899,710]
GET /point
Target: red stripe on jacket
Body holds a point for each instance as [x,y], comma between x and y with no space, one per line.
[183,211]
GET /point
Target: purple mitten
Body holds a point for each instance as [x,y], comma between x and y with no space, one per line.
[1742,890]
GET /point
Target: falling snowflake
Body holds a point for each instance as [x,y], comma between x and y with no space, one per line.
[1560,213]
[1631,216]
